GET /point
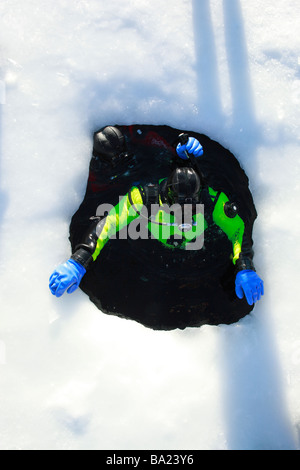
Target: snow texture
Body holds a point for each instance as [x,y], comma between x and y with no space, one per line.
[70,376]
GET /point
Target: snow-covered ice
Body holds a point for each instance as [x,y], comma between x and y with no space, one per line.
[72,377]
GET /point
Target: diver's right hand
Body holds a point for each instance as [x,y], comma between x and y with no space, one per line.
[66,277]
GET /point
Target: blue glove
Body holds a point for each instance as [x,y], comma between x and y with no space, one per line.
[192,146]
[248,283]
[67,276]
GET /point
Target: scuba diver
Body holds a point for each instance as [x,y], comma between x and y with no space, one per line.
[161,207]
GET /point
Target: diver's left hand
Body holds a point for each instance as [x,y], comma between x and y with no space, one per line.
[248,283]
[192,146]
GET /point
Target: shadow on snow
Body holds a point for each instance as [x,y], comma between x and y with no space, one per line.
[254,403]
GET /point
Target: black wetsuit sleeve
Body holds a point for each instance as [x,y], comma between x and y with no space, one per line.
[245,259]
[83,252]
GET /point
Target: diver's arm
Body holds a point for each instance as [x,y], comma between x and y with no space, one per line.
[102,229]
[67,276]
[247,282]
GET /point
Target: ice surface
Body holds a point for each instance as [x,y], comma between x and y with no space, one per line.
[71,377]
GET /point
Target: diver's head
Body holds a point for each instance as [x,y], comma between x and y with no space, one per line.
[110,146]
[183,187]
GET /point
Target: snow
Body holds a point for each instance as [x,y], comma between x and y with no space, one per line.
[72,377]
